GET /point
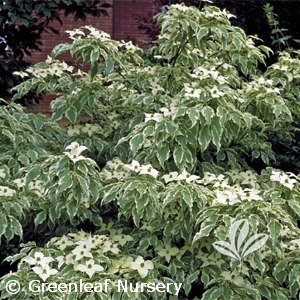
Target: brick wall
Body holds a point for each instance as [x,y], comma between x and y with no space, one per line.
[122,24]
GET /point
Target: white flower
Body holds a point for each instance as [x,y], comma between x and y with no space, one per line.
[234,174]
[75,148]
[280,67]
[248,178]
[215,93]
[187,177]
[44,271]
[39,259]
[149,170]
[89,268]
[142,266]
[170,177]
[114,164]
[20,182]
[122,239]
[6,191]
[156,117]
[63,243]
[168,112]
[75,152]
[208,178]
[61,260]
[286,179]
[226,197]
[180,7]
[168,252]
[110,246]
[81,252]
[250,194]
[134,166]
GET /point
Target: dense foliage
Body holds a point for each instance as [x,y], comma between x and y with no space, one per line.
[170,154]
[22,23]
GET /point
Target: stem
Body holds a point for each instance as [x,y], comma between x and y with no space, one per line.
[174,59]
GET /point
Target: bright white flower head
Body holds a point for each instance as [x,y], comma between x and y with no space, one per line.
[44,271]
[249,194]
[134,166]
[227,197]
[82,251]
[142,266]
[208,178]
[6,191]
[20,182]
[216,93]
[187,177]
[156,117]
[89,268]
[149,170]
[63,242]
[286,179]
[170,177]
[75,151]
[39,259]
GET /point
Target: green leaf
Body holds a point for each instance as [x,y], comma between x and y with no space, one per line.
[33,174]
[136,143]
[141,202]
[16,227]
[274,229]
[72,114]
[72,209]
[204,138]
[109,66]
[216,132]
[3,223]
[213,293]
[193,115]
[163,154]
[178,155]
[280,270]
[208,114]
[40,218]
[64,183]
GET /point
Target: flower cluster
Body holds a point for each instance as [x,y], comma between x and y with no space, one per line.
[174,176]
[75,151]
[287,179]
[141,169]
[5,191]
[114,170]
[87,129]
[85,253]
[40,264]
[54,68]
[157,117]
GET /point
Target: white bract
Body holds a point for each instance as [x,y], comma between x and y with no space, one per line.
[142,266]
[286,179]
[75,151]
[89,268]
[44,271]
[39,259]
[5,191]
